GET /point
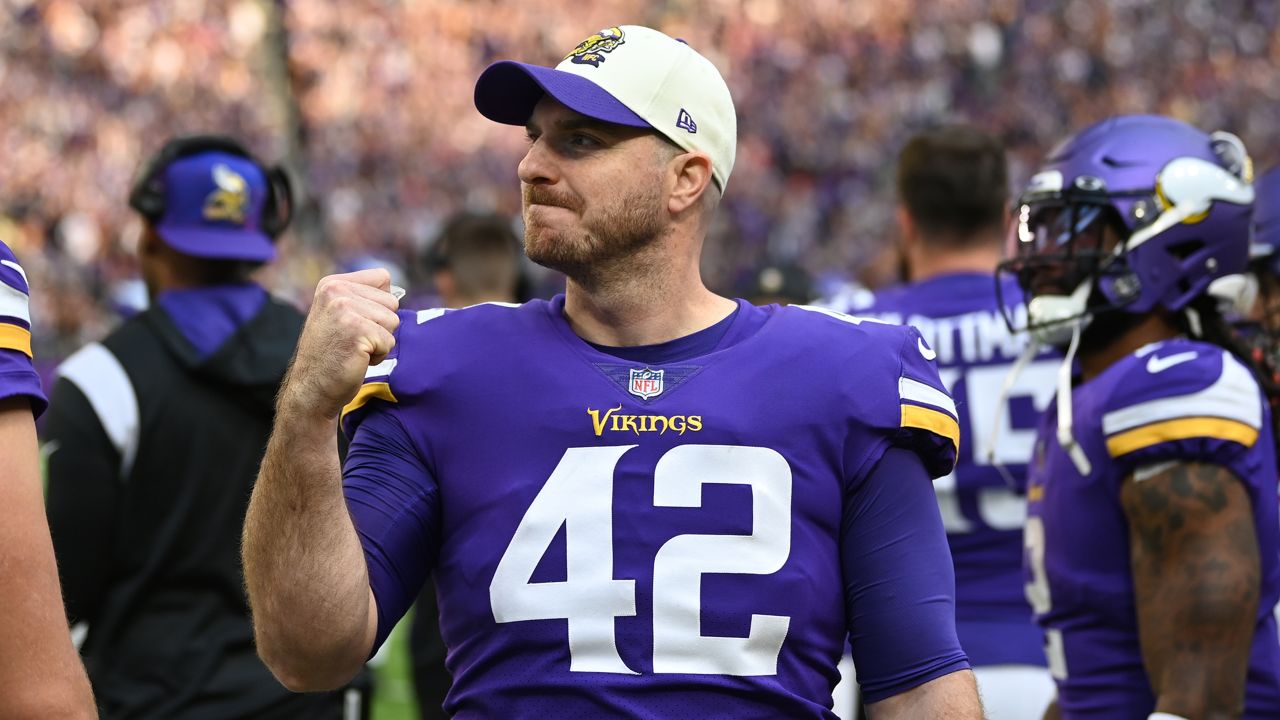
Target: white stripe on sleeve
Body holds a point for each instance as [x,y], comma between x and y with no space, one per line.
[106,385]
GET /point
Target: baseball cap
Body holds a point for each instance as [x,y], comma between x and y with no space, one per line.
[213,207]
[627,75]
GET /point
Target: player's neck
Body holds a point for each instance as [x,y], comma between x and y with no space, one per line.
[1151,328]
[925,262]
[657,299]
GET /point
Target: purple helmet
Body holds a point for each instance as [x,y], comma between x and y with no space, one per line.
[1266,221]
[1134,213]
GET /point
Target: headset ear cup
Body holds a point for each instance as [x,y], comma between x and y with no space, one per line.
[145,197]
[277,211]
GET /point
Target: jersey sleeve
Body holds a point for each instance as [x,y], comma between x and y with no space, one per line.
[389,487]
[896,399]
[1187,403]
[18,376]
[376,389]
[899,582]
[927,420]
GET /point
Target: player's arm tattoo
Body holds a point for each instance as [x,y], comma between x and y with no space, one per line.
[1197,575]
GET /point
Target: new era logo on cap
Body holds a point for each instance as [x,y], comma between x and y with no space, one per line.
[684,121]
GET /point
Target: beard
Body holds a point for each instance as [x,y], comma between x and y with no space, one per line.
[619,227]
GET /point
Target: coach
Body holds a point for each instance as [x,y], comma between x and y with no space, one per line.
[154,438]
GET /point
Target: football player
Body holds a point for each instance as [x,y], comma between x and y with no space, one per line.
[1152,549]
[952,187]
[639,499]
[1261,325]
[40,673]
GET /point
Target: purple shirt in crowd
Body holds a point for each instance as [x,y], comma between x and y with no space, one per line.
[983,502]
[691,532]
[1177,401]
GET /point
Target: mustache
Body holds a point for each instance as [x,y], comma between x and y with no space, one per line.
[541,195]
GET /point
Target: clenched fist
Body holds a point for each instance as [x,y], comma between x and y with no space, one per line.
[350,327]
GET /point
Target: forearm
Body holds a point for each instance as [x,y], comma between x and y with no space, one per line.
[305,571]
[41,675]
[950,697]
[1197,654]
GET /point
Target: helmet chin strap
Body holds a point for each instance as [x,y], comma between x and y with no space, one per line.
[1055,316]
[1058,319]
[1065,438]
[1068,441]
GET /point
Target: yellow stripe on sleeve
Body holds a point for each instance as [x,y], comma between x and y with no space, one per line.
[938,423]
[1181,429]
[379,390]
[17,338]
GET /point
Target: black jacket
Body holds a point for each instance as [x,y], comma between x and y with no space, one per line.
[152,454]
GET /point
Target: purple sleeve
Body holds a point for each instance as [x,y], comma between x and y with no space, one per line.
[394,504]
[898,578]
[18,377]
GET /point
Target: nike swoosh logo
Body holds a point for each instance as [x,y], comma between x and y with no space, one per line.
[925,351]
[1160,364]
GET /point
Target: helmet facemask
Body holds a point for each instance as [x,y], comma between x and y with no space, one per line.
[1060,248]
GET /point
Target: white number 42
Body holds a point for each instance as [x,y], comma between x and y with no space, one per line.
[579,496]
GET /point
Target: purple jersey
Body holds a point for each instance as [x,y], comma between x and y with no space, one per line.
[1176,401]
[616,539]
[983,502]
[17,375]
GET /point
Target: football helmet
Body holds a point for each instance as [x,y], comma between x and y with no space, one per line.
[1131,214]
[1265,248]
[1258,306]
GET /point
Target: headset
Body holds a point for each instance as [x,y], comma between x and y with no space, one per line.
[147,195]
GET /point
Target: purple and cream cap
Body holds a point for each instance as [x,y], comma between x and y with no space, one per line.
[627,75]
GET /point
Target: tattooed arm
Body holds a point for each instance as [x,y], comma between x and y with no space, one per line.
[1196,575]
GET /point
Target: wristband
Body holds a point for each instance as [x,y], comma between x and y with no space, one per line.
[1164,716]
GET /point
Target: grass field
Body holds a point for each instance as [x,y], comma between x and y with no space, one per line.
[393,697]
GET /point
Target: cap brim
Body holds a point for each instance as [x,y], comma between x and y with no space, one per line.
[218,244]
[507,92]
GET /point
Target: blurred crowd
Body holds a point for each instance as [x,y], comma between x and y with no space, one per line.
[370,102]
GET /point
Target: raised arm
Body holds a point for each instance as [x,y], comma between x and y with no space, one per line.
[314,615]
[1197,574]
[40,674]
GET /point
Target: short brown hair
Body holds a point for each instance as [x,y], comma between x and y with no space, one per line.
[954,183]
[481,250]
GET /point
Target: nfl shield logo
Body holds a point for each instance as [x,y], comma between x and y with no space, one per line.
[645,383]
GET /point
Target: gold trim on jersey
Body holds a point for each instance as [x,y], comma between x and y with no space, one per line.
[1181,429]
[935,421]
[379,390]
[17,338]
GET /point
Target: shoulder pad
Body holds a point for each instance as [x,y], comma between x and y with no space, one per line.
[1181,390]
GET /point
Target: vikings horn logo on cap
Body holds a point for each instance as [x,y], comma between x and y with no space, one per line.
[591,51]
[231,198]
